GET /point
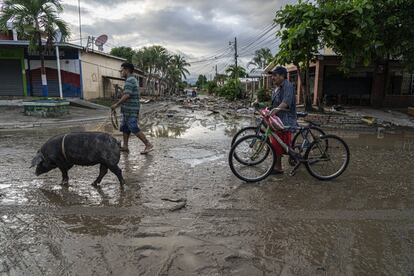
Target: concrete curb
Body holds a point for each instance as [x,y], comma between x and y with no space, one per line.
[85,104]
[51,124]
[71,122]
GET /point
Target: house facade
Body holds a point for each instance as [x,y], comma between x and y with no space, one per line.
[84,74]
[367,86]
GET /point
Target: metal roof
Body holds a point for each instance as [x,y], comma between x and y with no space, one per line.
[61,44]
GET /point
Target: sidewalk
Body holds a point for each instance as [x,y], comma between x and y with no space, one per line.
[13,118]
[383,116]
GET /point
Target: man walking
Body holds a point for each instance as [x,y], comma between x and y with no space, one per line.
[130,109]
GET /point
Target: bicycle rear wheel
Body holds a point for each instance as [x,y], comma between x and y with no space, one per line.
[327,162]
[302,144]
[303,139]
[249,150]
[250,130]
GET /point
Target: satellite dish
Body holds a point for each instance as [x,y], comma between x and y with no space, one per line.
[100,41]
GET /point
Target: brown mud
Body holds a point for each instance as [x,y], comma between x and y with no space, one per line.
[359,224]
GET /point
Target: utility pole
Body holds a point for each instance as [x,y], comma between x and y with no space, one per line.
[235,56]
[80,23]
[235,51]
[217,75]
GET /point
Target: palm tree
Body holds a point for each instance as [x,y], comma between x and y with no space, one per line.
[236,72]
[36,20]
[261,59]
[180,63]
[154,61]
[176,71]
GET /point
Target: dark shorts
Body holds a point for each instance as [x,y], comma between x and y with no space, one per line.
[129,124]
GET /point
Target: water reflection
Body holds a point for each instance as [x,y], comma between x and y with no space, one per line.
[196,126]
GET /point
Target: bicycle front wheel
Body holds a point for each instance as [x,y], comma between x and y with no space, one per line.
[327,162]
[249,150]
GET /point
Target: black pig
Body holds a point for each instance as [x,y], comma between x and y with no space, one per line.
[84,149]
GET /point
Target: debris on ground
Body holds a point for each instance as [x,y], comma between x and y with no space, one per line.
[337,108]
[214,105]
[410,111]
[179,206]
[380,132]
[174,200]
[368,119]
[182,203]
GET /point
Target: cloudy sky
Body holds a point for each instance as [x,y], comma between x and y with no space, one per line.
[200,29]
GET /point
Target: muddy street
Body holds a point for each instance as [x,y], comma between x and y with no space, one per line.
[183,212]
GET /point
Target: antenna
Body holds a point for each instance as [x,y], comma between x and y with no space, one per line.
[100,41]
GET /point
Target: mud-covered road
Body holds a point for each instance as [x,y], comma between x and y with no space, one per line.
[360,224]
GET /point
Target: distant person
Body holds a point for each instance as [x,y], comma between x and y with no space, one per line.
[130,106]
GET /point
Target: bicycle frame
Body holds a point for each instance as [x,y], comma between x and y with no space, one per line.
[304,130]
[264,127]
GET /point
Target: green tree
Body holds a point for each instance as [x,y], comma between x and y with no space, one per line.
[154,61]
[236,72]
[231,90]
[300,31]
[261,59]
[212,87]
[181,65]
[123,52]
[37,21]
[201,81]
[177,70]
[159,64]
[370,32]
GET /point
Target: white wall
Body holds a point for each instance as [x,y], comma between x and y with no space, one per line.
[94,67]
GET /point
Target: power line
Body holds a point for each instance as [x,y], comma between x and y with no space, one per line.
[260,37]
[220,52]
[260,43]
[261,33]
[214,53]
[223,54]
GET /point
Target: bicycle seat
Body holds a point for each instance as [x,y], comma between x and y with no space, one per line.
[301,114]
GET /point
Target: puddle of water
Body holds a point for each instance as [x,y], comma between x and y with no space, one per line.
[198,126]
[194,156]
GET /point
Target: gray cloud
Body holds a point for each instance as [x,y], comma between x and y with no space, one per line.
[196,27]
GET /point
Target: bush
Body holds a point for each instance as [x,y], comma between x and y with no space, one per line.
[212,87]
[263,95]
[231,90]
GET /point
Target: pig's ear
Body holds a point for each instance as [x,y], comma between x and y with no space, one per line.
[37,159]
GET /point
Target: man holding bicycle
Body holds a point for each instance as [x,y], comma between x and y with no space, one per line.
[284,106]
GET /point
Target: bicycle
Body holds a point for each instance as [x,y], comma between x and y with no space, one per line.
[258,149]
[301,140]
[312,130]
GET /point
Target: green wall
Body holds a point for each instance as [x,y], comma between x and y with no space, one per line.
[16,53]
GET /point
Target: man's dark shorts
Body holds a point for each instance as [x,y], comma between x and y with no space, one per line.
[129,124]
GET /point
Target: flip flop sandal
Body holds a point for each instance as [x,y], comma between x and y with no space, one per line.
[146,151]
[124,150]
